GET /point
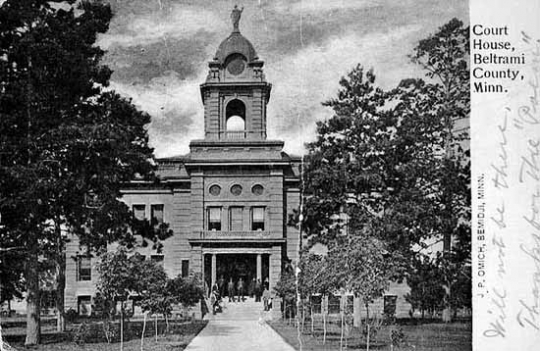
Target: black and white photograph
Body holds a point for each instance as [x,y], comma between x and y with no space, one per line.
[285,175]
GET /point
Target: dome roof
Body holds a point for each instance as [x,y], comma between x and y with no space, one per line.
[235,43]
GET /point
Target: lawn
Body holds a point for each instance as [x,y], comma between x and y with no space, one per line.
[179,336]
[419,337]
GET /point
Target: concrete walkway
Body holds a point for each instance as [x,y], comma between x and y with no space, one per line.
[241,327]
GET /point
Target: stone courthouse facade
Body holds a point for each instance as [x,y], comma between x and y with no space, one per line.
[229,199]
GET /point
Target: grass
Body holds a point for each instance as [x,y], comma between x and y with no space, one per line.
[180,336]
[420,337]
[166,343]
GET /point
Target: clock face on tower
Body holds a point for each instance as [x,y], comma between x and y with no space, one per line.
[236,65]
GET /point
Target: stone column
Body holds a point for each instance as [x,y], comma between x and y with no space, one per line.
[275,266]
[214,271]
[225,225]
[259,267]
[203,273]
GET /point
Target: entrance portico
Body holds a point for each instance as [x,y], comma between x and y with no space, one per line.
[263,264]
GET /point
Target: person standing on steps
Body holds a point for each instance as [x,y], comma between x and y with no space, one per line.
[240,290]
[251,289]
[215,300]
[221,285]
[230,288]
[258,290]
[266,298]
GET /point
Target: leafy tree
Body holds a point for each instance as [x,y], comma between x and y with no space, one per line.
[426,292]
[286,289]
[151,286]
[345,164]
[116,283]
[11,270]
[159,294]
[445,57]
[187,291]
[66,143]
[318,276]
[394,162]
[121,275]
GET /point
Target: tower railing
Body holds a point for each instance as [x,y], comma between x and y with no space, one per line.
[237,135]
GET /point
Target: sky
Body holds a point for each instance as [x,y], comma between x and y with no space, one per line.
[159,52]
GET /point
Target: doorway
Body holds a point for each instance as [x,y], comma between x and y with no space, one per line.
[235,267]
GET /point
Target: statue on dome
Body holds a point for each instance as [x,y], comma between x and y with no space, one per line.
[235,17]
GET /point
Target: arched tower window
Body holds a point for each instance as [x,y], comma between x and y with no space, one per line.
[236,115]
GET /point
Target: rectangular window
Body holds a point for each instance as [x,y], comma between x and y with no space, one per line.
[236,215]
[257,218]
[137,256]
[214,218]
[156,214]
[84,305]
[389,307]
[48,300]
[139,212]
[84,268]
[185,268]
[157,259]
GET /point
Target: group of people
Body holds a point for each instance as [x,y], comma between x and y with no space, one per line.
[255,288]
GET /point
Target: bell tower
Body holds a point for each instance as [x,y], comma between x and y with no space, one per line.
[235,93]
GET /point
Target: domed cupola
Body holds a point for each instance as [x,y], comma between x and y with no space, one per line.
[235,44]
[235,93]
[235,59]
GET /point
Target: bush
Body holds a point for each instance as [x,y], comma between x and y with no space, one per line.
[94,332]
[71,315]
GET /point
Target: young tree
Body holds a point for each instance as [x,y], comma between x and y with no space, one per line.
[151,287]
[160,296]
[318,275]
[66,144]
[117,280]
[286,287]
[424,279]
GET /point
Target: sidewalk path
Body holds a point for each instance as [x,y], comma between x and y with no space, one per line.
[240,327]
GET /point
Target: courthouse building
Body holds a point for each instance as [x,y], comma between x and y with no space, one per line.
[228,201]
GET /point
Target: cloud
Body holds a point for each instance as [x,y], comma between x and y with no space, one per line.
[141,63]
[175,107]
[303,81]
[322,6]
[153,27]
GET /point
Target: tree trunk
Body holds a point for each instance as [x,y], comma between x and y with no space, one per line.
[122,326]
[323,310]
[303,316]
[143,330]
[60,288]
[342,331]
[357,317]
[33,329]
[447,312]
[155,325]
[106,330]
[311,316]
[367,326]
